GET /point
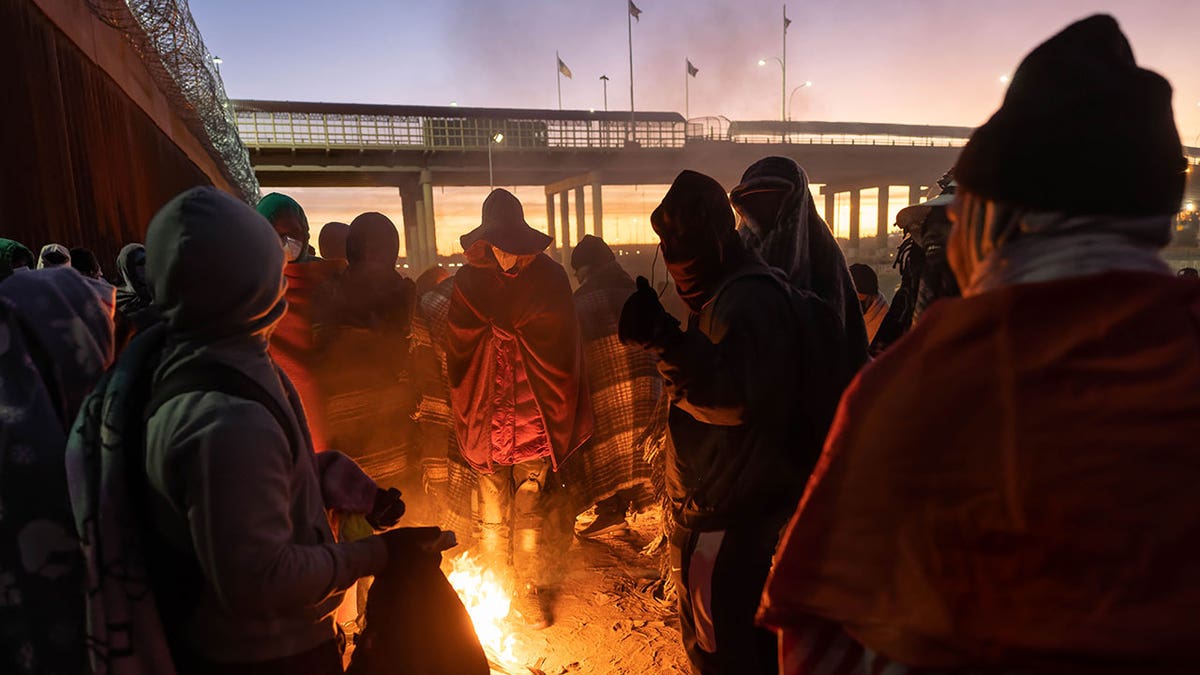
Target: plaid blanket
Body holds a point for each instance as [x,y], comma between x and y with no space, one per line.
[625,386]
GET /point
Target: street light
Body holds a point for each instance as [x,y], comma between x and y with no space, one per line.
[1004,79]
[805,85]
[783,84]
[495,139]
[217,62]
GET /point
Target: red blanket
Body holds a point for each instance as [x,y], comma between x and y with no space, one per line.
[1015,483]
[292,341]
[515,363]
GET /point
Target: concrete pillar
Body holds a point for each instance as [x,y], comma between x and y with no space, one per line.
[914,194]
[410,197]
[597,210]
[580,215]
[855,224]
[550,230]
[564,212]
[429,236]
[830,208]
[882,222]
[416,254]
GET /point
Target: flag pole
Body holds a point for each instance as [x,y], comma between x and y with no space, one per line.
[686,91]
[783,63]
[558,75]
[632,117]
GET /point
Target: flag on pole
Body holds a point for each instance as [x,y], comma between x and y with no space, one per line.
[562,68]
[635,12]
[692,70]
[786,21]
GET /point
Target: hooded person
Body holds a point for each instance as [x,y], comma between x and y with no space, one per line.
[624,385]
[1038,513]
[14,257]
[292,341]
[779,221]
[53,255]
[55,343]
[517,389]
[361,324]
[753,383]
[135,304]
[874,305]
[198,492]
[332,241]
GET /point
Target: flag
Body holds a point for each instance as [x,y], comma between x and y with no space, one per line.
[786,21]
[692,70]
[562,68]
[635,12]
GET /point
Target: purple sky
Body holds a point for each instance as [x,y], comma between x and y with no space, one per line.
[907,61]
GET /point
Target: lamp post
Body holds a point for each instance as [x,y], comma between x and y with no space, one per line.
[783,93]
[806,84]
[493,139]
[604,79]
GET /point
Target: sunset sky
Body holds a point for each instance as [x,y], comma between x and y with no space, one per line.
[907,61]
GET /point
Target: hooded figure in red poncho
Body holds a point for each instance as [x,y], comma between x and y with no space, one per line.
[1012,486]
[517,391]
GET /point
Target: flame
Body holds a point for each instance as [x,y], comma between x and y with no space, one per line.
[488,603]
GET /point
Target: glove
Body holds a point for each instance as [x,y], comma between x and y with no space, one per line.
[387,510]
[644,322]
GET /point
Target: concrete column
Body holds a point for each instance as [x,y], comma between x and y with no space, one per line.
[564,212]
[429,238]
[914,194]
[830,208]
[416,254]
[597,210]
[855,224]
[550,229]
[410,197]
[882,222]
[580,215]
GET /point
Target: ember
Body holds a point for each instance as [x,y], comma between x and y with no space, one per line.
[488,601]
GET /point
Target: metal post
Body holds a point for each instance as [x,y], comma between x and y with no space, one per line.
[558,75]
[604,79]
[687,95]
[783,68]
[632,116]
[882,222]
[597,210]
[491,178]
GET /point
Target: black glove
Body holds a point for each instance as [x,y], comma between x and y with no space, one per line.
[644,322]
[387,510]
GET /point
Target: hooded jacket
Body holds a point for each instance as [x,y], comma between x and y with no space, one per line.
[754,380]
[135,304]
[225,482]
[515,362]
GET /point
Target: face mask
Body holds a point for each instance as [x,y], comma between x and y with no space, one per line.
[292,249]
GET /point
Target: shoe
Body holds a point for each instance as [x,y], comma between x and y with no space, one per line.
[535,607]
[605,523]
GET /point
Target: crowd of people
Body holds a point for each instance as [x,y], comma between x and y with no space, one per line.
[990,473]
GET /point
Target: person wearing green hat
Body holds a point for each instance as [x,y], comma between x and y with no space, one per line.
[14,257]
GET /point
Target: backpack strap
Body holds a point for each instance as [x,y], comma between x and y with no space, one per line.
[203,376]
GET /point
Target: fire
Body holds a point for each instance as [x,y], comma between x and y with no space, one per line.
[488,602]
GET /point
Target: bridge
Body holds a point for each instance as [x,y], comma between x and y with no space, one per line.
[415,148]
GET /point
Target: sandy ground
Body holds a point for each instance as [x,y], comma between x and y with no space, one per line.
[605,624]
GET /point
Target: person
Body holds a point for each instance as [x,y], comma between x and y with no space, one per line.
[361,324]
[779,221]
[85,262]
[57,343]
[1037,512]
[332,241]
[135,304]
[517,391]
[292,342]
[925,274]
[14,257]
[624,385]
[53,255]
[874,305]
[214,476]
[1189,272]
[753,383]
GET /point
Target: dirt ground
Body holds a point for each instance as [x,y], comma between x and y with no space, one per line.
[605,623]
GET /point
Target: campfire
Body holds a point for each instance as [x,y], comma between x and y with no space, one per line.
[488,602]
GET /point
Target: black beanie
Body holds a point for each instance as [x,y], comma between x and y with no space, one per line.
[1082,130]
[865,279]
[591,251]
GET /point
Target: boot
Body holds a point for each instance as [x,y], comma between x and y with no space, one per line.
[535,606]
[494,548]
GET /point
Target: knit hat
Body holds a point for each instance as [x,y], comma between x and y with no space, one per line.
[1082,130]
[865,279]
[591,251]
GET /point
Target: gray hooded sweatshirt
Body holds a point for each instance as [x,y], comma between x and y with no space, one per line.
[228,486]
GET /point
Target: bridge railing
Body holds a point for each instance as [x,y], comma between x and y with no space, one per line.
[359,131]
